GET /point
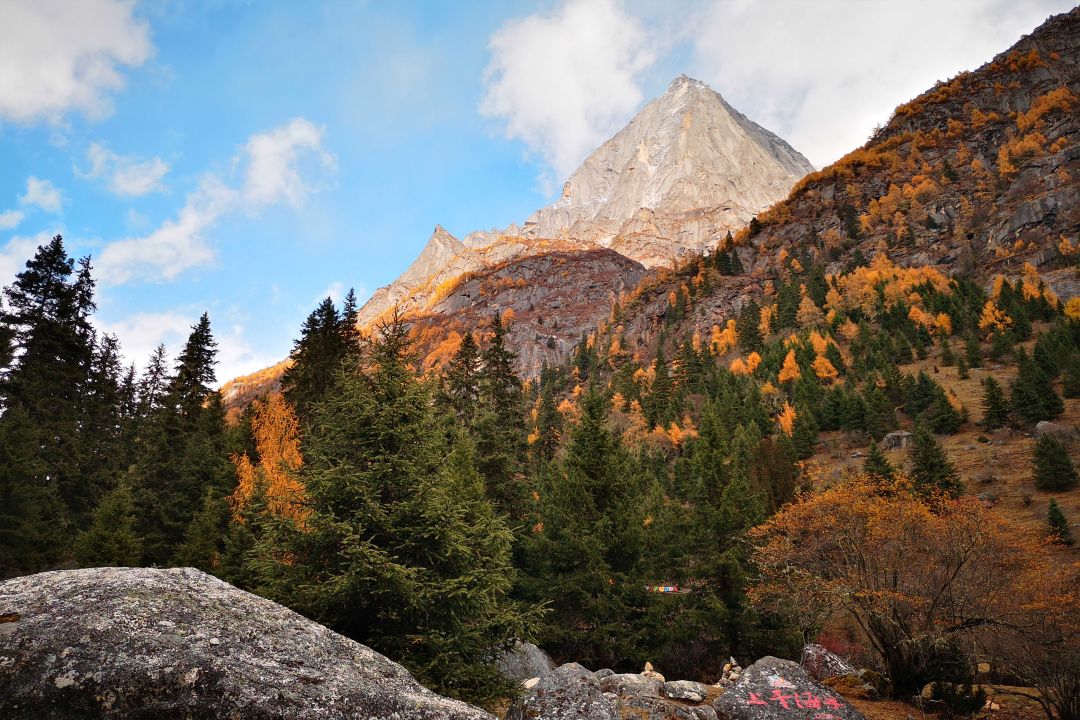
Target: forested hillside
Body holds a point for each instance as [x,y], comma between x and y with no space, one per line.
[854,421]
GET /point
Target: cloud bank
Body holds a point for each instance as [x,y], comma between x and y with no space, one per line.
[276,167]
[564,82]
[125,175]
[58,56]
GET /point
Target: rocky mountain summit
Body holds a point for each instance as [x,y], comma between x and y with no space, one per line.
[686,169]
[147,643]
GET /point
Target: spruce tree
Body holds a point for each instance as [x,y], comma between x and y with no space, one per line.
[549,423]
[941,417]
[461,381]
[111,539]
[1033,397]
[401,549]
[1059,525]
[205,537]
[316,358]
[931,471]
[584,551]
[973,350]
[501,436]
[747,327]
[1053,468]
[877,464]
[48,322]
[994,404]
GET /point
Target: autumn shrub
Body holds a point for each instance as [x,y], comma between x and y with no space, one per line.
[921,577]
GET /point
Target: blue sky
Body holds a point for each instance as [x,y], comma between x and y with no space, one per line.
[247,158]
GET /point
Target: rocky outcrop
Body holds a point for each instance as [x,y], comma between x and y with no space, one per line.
[820,663]
[569,693]
[572,692]
[772,688]
[147,643]
[525,661]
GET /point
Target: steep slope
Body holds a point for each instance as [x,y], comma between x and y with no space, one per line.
[976,176]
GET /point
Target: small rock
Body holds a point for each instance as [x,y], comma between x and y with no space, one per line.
[530,683]
[896,440]
[631,685]
[603,673]
[727,668]
[684,690]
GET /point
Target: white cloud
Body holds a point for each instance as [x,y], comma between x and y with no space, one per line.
[58,56]
[10,219]
[140,333]
[274,165]
[41,194]
[17,251]
[823,74]
[564,82]
[277,160]
[335,291]
[126,175]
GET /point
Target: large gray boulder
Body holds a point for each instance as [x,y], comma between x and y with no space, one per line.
[569,693]
[180,644]
[525,660]
[775,689]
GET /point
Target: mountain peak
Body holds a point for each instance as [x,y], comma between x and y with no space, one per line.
[686,150]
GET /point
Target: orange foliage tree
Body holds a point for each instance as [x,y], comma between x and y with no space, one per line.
[277,438]
[922,579]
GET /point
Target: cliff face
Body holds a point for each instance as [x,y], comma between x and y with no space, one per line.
[685,171]
[687,168]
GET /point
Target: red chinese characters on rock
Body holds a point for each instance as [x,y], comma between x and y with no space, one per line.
[799,701]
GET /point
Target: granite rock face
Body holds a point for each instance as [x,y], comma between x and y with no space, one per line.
[525,661]
[148,643]
[820,663]
[775,689]
[569,693]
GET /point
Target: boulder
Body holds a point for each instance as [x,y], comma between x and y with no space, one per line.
[774,689]
[570,692]
[684,690]
[649,708]
[603,673]
[630,685]
[819,663]
[178,643]
[1045,427]
[896,440]
[523,661]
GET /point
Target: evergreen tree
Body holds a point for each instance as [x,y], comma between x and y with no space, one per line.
[931,471]
[972,350]
[461,381]
[584,552]
[994,404]
[501,437]
[185,450]
[877,464]
[400,550]
[660,402]
[316,358]
[1071,382]
[111,539]
[941,417]
[47,322]
[204,539]
[1033,397]
[1059,525]
[549,423]
[747,327]
[1053,468]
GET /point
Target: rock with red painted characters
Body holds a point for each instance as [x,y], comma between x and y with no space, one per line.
[775,689]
